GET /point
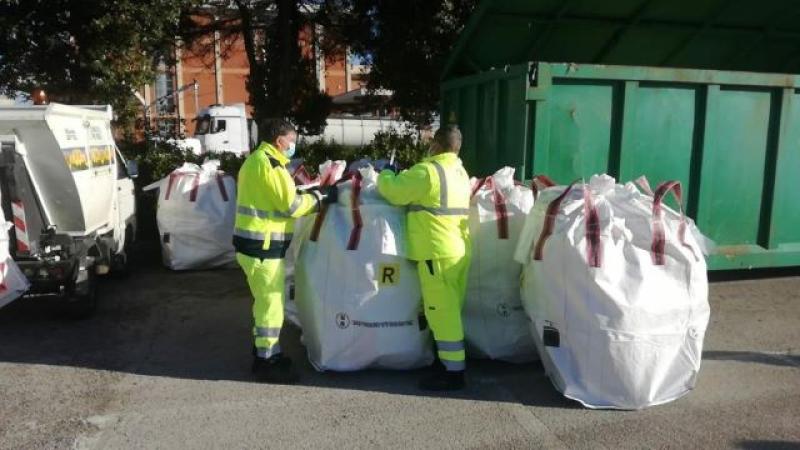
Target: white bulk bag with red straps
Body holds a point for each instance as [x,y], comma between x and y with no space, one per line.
[196,212]
[329,173]
[615,285]
[358,296]
[495,324]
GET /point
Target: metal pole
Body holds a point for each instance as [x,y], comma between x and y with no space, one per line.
[196,101]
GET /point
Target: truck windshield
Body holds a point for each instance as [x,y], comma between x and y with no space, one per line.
[203,125]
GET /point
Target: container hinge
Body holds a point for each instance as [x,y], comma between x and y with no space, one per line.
[532,69]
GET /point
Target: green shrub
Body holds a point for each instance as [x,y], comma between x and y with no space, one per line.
[408,150]
[157,159]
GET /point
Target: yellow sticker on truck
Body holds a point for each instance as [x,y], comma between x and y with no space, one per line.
[101,155]
[76,158]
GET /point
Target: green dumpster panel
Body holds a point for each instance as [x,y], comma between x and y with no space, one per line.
[734,159]
[493,116]
[785,217]
[659,141]
[580,130]
[731,138]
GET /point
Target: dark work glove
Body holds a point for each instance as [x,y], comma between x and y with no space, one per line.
[331,196]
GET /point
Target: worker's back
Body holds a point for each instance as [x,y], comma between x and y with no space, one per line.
[438,220]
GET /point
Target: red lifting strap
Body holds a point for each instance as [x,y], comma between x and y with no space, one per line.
[325,180]
[544,180]
[176,175]
[323,211]
[550,221]
[3,286]
[221,186]
[170,183]
[594,249]
[358,223]
[659,235]
[477,186]
[499,201]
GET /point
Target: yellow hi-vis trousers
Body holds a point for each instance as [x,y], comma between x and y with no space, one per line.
[444,286]
[266,280]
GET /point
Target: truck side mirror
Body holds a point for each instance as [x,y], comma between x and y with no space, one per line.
[132,167]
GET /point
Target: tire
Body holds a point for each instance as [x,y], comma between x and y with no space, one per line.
[78,307]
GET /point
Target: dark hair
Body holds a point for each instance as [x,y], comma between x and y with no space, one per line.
[448,137]
[275,128]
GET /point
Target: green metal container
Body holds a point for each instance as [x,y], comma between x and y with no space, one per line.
[731,138]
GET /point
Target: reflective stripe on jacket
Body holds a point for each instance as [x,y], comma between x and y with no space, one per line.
[267,204]
[437,192]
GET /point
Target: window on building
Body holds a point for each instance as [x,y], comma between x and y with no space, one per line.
[165,89]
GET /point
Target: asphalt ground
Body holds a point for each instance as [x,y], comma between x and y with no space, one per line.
[165,364]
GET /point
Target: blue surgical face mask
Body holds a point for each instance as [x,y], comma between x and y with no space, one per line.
[290,151]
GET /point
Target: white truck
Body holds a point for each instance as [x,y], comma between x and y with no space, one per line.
[70,195]
[221,129]
[226,128]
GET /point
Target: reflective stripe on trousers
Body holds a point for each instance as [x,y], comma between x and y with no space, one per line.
[267,332]
[443,283]
[450,346]
[268,352]
[266,281]
[256,236]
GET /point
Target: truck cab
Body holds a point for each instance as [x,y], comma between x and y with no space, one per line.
[223,129]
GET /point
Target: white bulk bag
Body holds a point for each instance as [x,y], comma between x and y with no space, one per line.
[615,284]
[495,324]
[330,172]
[13,282]
[358,296]
[196,213]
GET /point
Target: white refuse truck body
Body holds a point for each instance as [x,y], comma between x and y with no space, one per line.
[70,195]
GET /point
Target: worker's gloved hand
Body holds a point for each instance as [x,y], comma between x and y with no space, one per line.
[331,195]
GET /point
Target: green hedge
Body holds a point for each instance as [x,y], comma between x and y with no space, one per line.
[157,159]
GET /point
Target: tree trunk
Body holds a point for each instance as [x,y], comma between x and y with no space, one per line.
[255,81]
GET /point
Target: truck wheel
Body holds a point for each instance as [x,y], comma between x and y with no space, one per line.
[83,306]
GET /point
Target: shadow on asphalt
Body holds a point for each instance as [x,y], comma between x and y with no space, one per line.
[768,445]
[753,357]
[196,326]
[753,274]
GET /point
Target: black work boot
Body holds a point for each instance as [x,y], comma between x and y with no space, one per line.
[443,381]
[276,369]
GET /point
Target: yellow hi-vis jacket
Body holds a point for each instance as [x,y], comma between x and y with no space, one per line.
[437,192]
[266,205]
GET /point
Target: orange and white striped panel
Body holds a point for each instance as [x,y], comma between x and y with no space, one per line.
[20,227]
